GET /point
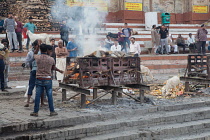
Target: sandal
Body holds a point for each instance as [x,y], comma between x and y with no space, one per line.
[53,113]
[34,114]
[27,105]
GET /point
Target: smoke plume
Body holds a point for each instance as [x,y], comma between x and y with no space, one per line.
[83,21]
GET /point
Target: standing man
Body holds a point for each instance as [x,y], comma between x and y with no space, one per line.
[18,32]
[64,32]
[45,64]
[10,25]
[127,32]
[1,25]
[201,37]
[155,38]
[72,48]
[3,55]
[52,42]
[135,48]
[7,64]
[61,54]
[164,38]
[31,27]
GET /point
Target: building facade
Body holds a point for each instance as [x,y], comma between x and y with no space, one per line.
[182,11]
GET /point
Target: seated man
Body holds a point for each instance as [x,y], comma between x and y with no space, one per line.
[191,43]
[108,42]
[172,44]
[180,42]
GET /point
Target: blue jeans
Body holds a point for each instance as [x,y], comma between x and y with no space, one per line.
[123,45]
[127,40]
[32,82]
[2,67]
[40,86]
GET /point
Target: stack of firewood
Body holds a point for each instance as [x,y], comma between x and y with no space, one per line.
[4,8]
[39,10]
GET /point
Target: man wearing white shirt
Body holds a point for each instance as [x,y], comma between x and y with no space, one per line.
[191,43]
[115,47]
[135,48]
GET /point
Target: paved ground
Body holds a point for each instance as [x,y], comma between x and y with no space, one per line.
[12,110]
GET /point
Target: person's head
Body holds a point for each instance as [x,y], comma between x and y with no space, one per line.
[163,27]
[179,35]
[64,21]
[72,40]
[153,26]
[4,42]
[60,43]
[10,15]
[49,50]
[203,26]
[120,29]
[132,39]
[115,42]
[35,44]
[190,34]
[16,18]
[43,48]
[126,24]
[30,19]
[102,43]
[52,41]
[108,37]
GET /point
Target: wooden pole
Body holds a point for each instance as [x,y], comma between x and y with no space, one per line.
[95,94]
[63,95]
[114,97]
[141,95]
[83,100]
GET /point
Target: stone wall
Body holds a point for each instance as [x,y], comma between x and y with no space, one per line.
[160,6]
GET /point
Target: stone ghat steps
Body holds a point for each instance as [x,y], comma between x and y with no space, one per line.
[156,122]
[198,136]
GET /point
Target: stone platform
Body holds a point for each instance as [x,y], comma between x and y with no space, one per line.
[176,119]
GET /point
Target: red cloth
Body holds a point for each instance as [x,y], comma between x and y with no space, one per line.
[24,33]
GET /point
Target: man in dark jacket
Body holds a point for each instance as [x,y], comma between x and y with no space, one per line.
[64,32]
[127,32]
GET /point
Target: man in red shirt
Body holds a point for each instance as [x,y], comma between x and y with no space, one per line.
[18,32]
[45,64]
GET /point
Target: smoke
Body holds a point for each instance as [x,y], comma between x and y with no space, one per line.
[83,21]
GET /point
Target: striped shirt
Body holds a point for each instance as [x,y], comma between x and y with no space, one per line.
[202,34]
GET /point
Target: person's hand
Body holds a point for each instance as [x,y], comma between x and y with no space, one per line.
[61,71]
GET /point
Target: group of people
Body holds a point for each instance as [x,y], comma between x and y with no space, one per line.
[42,63]
[123,41]
[16,31]
[162,41]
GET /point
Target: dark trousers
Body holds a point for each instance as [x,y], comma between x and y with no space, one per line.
[19,38]
[2,67]
[182,45]
[192,48]
[32,82]
[201,47]
[123,45]
[127,40]
[1,29]
[27,44]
